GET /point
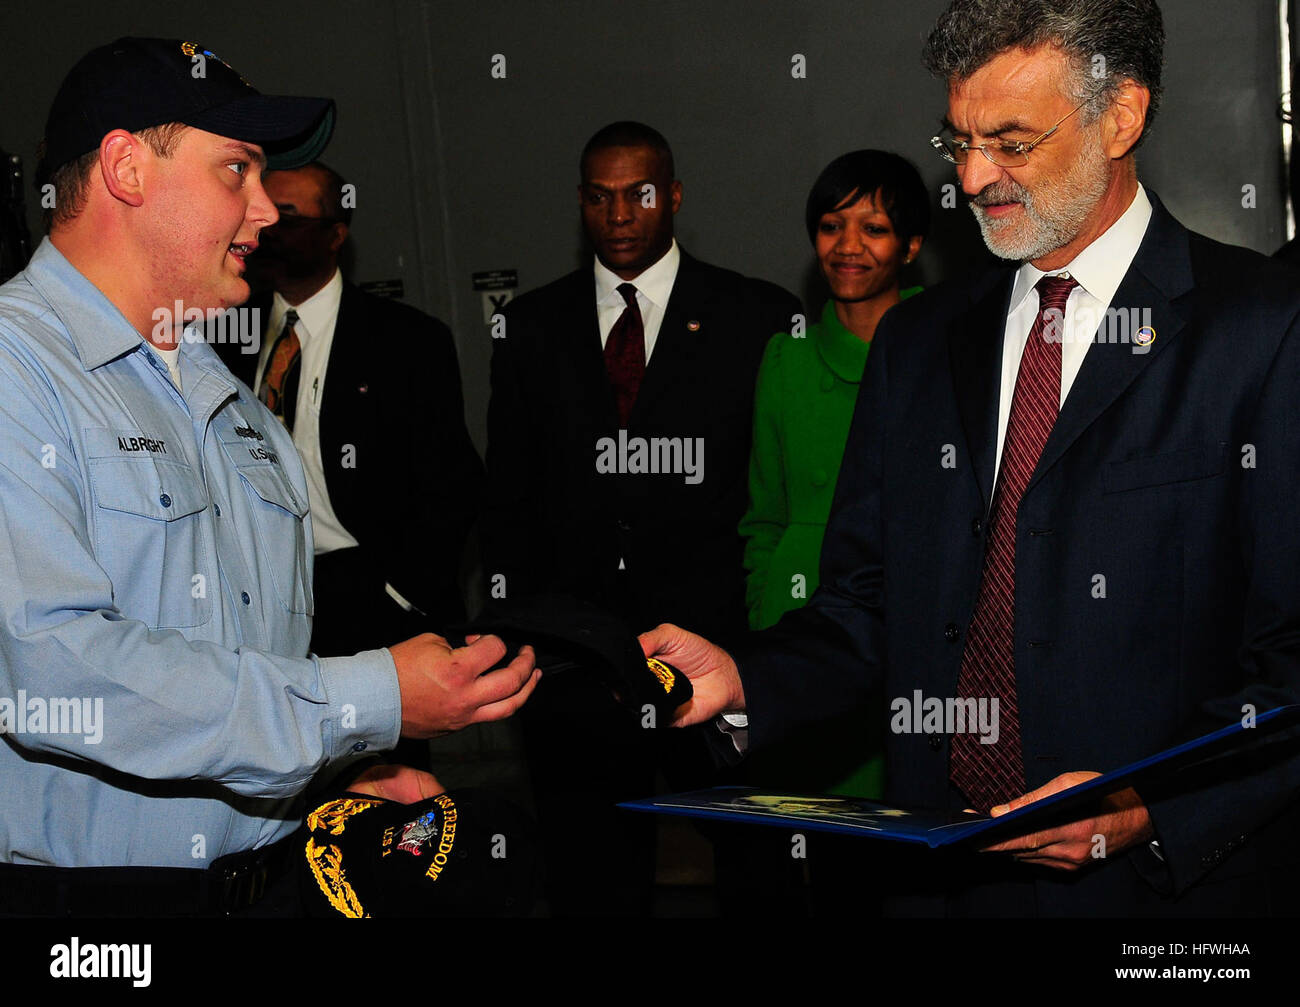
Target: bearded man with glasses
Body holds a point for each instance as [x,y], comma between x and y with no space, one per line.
[1069,491]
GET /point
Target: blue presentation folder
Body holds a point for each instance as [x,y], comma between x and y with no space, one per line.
[859,817]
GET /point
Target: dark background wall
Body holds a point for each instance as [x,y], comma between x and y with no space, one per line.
[458,171]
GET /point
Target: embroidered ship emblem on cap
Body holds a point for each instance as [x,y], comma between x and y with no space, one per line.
[192,49]
[417,833]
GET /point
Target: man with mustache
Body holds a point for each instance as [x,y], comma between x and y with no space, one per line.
[1068,490]
[371,434]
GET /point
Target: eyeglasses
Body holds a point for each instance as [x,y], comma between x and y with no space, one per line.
[1003,154]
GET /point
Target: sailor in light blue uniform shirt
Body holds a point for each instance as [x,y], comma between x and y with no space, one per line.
[156,568]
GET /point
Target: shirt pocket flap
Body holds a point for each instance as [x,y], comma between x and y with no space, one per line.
[1161,470]
[147,486]
[270,484]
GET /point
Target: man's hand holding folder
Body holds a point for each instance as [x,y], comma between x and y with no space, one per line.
[1121,817]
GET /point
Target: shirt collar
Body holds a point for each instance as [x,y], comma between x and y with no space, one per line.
[655,282]
[99,331]
[315,313]
[1101,266]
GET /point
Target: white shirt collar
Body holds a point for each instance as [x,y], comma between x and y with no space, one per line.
[1101,266]
[314,314]
[655,282]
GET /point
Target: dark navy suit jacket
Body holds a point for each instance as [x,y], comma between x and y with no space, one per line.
[1173,473]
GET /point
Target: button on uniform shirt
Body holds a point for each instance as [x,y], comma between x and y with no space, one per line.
[156,597]
[172,358]
[315,328]
[1099,268]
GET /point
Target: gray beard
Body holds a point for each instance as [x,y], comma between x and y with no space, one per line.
[1053,217]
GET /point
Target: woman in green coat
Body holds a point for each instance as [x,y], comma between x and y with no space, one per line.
[867,217]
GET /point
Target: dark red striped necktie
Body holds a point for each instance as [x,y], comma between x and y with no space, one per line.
[989,775]
[625,354]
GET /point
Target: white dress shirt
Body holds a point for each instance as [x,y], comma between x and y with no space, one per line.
[1099,268]
[315,327]
[653,288]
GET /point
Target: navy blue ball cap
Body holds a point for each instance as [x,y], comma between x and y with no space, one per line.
[135,83]
[468,853]
[572,634]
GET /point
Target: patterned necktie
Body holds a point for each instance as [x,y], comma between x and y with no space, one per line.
[625,354]
[990,775]
[280,382]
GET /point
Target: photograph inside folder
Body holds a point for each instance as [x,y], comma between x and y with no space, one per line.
[825,813]
[870,819]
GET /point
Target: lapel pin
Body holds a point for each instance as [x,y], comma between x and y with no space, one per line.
[693,325]
[1145,336]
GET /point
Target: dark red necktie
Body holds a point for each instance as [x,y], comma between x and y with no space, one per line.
[625,354]
[990,775]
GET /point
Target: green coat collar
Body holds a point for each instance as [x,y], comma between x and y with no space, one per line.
[843,352]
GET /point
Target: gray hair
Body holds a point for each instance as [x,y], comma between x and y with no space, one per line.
[1107,42]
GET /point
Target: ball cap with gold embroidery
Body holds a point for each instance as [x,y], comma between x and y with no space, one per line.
[135,83]
[467,853]
[572,634]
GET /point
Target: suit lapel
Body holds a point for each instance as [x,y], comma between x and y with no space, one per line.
[1160,273]
[975,352]
[341,367]
[584,351]
[676,345]
[343,409]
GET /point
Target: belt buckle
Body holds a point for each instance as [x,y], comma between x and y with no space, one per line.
[243,885]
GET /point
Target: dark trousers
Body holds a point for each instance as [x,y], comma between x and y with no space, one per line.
[586,753]
[268,878]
